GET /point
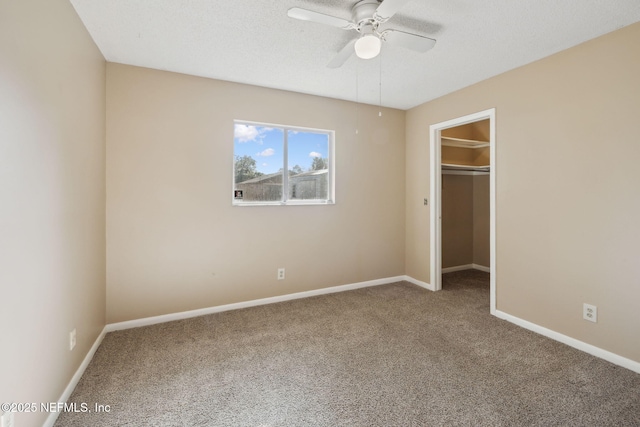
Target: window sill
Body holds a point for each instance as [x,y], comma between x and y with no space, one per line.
[288,203]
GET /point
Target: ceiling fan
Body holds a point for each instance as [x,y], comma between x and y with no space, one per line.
[367,15]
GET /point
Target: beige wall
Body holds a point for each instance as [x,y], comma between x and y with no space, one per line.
[457,220]
[481,221]
[465,220]
[175,243]
[567,188]
[52,199]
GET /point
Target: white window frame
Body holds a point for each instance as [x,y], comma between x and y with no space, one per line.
[330,200]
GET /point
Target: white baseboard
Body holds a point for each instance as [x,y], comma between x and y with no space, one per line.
[419,283]
[481,268]
[457,268]
[572,342]
[53,416]
[466,267]
[235,306]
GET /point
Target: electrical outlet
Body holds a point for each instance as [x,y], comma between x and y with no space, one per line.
[6,420]
[590,312]
[281,274]
[72,339]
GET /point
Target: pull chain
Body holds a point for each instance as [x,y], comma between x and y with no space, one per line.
[357,97]
[380,86]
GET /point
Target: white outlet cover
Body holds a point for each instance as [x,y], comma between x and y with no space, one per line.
[72,339]
[590,313]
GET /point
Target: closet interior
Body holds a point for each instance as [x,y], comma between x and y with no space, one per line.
[465,165]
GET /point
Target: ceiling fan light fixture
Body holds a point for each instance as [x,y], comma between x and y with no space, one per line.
[368,46]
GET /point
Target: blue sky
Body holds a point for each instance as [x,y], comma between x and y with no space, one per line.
[265,145]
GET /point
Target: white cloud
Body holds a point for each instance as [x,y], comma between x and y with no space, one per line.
[266,153]
[245,133]
[315,154]
[265,164]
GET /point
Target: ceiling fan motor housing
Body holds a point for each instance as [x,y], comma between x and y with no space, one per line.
[363,12]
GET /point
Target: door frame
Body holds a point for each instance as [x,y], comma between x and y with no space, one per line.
[435,163]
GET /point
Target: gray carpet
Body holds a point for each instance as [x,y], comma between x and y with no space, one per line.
[391,355]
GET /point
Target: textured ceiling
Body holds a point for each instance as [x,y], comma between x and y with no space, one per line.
[254,42]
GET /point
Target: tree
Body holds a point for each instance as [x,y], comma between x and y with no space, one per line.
[246,168]
[319,163]
[295,170]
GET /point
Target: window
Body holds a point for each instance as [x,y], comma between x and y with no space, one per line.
[275,165]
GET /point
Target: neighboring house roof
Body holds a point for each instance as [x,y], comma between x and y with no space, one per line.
[277,174]
[260,178]
[310,173]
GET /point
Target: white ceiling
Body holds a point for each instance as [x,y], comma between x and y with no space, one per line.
[254,42]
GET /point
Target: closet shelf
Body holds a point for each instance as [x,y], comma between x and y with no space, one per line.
[463,143]
[451,166]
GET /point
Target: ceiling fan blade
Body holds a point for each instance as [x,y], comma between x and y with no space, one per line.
[342,56]
[410,41]
[387,9]
[320,18]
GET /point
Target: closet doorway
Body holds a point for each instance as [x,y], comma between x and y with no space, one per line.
[464,150]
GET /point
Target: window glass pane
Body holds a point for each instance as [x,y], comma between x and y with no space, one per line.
[308,161]
[259,159]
